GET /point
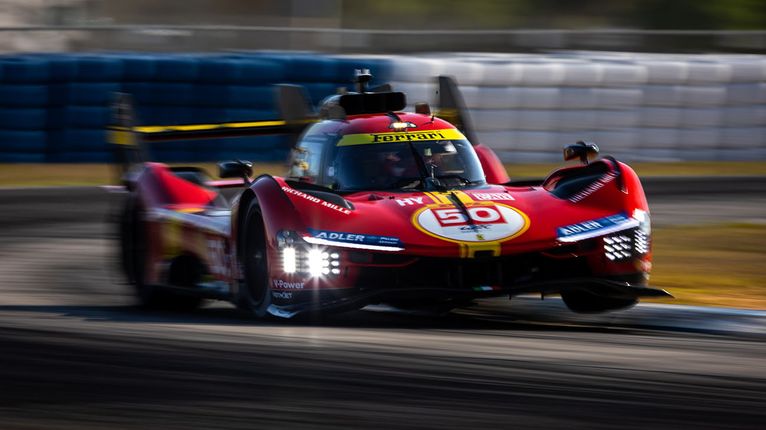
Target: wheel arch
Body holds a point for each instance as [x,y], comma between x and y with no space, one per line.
[273,203]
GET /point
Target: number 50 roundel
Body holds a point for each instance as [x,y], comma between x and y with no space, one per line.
[494,222]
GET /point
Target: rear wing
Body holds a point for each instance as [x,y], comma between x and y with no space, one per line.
[130,140]
[453,110]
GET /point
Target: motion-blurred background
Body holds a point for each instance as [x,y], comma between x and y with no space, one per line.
[676,88]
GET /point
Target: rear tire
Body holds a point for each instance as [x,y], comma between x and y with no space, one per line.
[254,295]
[134,247]
[585,302]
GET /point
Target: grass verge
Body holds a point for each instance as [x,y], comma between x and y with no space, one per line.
[711,265]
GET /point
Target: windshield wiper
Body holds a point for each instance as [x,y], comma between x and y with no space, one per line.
[422,169]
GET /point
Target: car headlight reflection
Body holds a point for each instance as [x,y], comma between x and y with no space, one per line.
[288,260]
[308,260]
[314,262]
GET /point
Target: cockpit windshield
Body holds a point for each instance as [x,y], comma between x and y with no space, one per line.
[404,165]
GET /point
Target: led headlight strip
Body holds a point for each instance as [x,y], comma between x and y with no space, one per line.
[325,242]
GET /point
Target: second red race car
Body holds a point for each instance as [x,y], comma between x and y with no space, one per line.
[382,206]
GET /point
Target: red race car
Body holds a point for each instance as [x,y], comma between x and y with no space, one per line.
[379,206]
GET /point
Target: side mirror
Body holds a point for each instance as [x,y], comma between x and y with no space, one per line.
[236,169]
[582,150]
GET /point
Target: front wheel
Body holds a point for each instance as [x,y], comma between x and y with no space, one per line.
[254,294]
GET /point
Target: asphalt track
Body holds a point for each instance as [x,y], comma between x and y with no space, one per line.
[75,353]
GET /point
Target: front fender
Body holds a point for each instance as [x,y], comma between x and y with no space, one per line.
[603,183]
[277,210]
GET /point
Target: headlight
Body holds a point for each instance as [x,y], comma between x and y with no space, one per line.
[302,258]
[288,260]
[618,247]
[642,235]
[629,243]
[322,262]
[314,262]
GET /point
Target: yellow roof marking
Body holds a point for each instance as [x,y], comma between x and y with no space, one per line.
[400,136]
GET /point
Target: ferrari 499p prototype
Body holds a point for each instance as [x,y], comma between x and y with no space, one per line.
[380,206]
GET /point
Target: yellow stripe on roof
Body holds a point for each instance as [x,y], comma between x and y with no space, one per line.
[400,136]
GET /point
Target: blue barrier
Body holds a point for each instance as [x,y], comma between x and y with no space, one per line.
[201,115]
[55,107]
[24,69]
[261,97]
[98,68]
[304,68]
[139,67]
[97,117]
[92,93]
[250,71]
[81,139]
[165,115]
[23,141]
[63,67]
[23,119]
[237,115]
[22,157]
[177,68]
[90,156]
[165,94]
[210,95]
[58,94]
[23,95]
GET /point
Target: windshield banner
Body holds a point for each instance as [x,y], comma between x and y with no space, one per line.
[400,136]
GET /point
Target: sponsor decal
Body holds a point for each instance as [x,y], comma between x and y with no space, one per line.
[284,295]
[592,188]
[488,222]
[407,137]
[316,200]
[492,196]
[400,136]
[592,225]
[280,284]
[410,201]
[364,239]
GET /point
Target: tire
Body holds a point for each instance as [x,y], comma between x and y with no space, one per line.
[585,302]
[254,295]
[134,244]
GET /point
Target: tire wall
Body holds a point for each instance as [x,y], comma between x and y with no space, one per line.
[54,107]
[638,107]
